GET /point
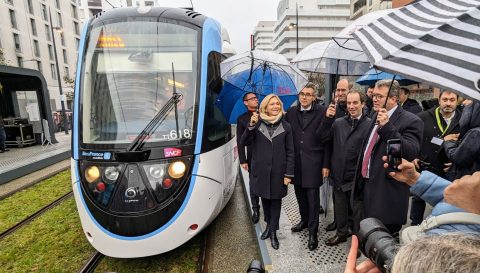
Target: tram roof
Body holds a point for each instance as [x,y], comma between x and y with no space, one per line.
[185,15]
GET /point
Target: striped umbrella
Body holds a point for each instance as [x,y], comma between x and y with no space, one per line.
[433,41]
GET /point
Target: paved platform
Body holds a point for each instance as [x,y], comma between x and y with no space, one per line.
[19,162]
[293,254]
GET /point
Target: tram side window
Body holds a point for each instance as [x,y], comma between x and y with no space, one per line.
[216,129]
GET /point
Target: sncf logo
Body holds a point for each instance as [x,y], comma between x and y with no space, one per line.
[172,152]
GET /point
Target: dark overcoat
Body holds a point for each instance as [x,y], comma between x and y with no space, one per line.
[430,152]
[383,197]
[309,149]
[242,124]
[346,141]
[272,158]
[412,106]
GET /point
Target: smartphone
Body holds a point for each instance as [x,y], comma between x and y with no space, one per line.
[394,153]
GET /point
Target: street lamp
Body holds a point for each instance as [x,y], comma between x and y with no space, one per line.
[295,25]
[64,115]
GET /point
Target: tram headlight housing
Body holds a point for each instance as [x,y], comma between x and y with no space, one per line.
[111,174]
[156,171]
[92,173]
[177,169]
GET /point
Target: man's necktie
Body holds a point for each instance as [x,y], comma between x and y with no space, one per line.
[368,154]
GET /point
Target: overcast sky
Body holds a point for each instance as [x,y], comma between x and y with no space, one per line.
[239,17]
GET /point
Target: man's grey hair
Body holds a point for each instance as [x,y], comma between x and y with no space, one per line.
[451,252]
[394,91]
[312,86]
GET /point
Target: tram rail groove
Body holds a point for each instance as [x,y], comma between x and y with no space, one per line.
[36,215]
[92,263]
[33,183]
[205,248]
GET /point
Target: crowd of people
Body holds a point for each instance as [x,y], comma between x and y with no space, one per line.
[347,141]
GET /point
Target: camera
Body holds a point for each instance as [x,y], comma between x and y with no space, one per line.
[377,243]
[256,267]
[394,153]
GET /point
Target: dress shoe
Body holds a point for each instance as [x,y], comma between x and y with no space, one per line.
[6,150]
[255,216]
[312,242]
[274,240]
[321,210]
[265,233]
[331,227]
[2,151]
[335,240]
[299,227]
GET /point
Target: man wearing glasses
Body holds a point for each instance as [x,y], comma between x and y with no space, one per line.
[375,191]
[251,103]
[305,119]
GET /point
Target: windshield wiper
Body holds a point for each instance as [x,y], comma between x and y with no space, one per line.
[134,152]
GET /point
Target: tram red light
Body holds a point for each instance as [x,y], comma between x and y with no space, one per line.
[194,227]
[167,183]
[100,186]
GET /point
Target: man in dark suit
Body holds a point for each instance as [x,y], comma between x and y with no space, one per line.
[251,103]
[377,193]
[346,135]
[407,103]
[305,119]
[437,123]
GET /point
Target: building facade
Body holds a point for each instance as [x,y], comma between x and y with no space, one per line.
[263,35]
[26,40]
[318,20]
[361,7]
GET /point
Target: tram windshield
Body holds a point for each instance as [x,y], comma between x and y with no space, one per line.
[128,78]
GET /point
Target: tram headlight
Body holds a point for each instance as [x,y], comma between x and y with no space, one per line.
[177,169]
[92,173]
[156,171]
[111,174]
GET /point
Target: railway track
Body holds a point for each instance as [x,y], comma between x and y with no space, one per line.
[35,215]
[92,263]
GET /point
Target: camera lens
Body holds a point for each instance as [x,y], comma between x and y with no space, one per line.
[376,243]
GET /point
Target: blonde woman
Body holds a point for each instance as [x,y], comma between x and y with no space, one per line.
[272,167]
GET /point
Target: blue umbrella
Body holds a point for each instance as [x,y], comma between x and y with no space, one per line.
[230,101]
[373,75]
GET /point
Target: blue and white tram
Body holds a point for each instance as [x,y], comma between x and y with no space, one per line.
[153,159]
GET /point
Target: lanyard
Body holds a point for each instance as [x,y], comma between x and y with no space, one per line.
[439,122]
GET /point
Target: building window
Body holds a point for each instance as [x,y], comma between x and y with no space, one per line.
[74,11]
[53,71]
[77,43]
[13,20]
[20,61]
[64,56]
[59,19]
[62,39]
[30,6]
[36,48]
[9,2]
[67,72]
[77,29]
[50,52]
[44,12]
[57,4]
[16,41]
[148,3]
[34,27]
[47,33]
[39,66]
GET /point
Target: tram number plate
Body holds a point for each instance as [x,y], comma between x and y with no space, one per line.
[174,134]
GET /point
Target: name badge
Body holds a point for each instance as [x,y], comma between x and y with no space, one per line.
[437,141]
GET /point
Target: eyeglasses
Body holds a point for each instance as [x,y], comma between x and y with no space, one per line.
[252,98]
[378,96]
[306,95]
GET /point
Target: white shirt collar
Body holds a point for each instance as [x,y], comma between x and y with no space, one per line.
[305,109]
[390,112]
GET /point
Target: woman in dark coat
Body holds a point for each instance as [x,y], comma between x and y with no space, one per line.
[272,166]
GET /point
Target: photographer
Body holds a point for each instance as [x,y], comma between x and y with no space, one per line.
[433,189]
[454,252]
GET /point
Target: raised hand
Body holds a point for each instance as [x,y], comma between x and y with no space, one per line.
[331,110]
[254,119]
